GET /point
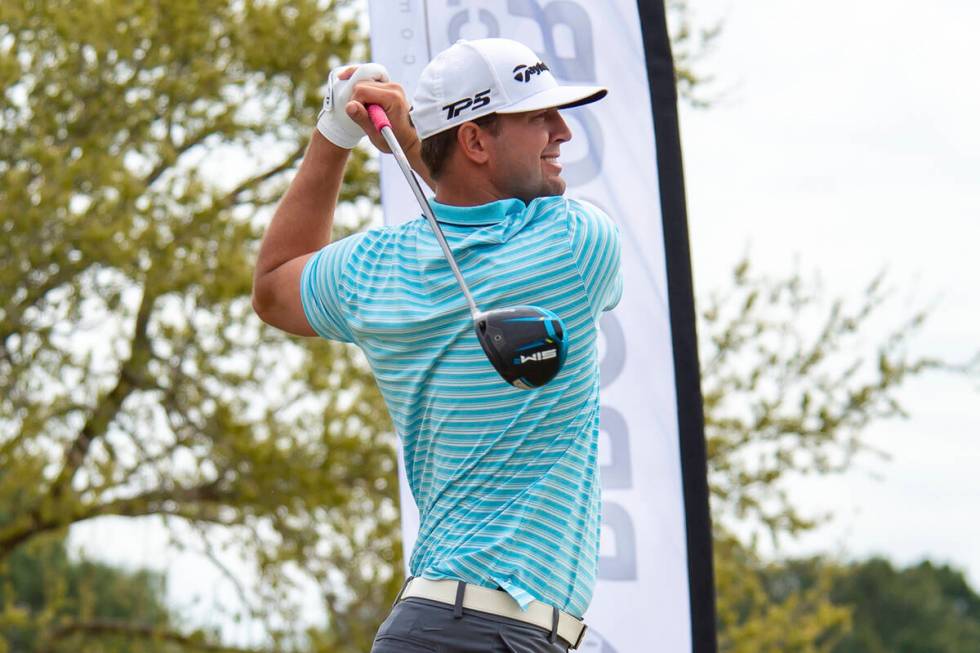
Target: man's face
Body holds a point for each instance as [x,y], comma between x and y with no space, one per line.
[524,161]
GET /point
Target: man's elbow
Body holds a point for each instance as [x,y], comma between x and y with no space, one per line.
[258,307]
[277,308]
[263,301]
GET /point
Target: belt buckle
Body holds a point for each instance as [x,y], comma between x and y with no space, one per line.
[581,636]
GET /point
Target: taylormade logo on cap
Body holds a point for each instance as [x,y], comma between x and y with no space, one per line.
[475,78]
[523,73]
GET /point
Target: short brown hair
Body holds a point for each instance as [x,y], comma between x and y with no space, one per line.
[437,148]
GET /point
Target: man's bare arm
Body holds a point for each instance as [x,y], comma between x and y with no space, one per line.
[302,222]
[300,226]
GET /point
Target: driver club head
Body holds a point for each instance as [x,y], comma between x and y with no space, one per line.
[525,344]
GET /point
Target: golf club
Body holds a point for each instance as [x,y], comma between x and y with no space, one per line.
[525,344]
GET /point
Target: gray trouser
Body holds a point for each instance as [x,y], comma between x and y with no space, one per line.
[418,625]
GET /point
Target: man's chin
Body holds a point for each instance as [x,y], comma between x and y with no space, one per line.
[549,188]
[553,186]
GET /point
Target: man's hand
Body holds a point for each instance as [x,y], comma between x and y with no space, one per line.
[333,122]
[390,97]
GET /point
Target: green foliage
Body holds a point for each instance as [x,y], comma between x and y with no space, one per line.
[790,385]
[43,592]
[921,609]
[691,43]
[755,615]
[141,148]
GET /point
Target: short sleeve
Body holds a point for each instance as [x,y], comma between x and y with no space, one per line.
[595,243]
[324,289]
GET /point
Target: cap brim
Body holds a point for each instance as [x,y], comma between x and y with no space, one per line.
[559,97]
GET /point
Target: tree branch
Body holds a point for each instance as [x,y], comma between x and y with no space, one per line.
[130,379]
[44,515]
[166,162]
[201,497]
[197,503]
[251,182]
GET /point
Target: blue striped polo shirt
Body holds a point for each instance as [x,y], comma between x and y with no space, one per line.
[506,480]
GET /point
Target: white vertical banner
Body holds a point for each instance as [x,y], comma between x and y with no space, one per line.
[643,599]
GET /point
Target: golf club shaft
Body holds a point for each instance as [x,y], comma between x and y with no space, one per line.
[383,126]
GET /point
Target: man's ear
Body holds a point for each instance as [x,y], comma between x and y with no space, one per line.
[473,142]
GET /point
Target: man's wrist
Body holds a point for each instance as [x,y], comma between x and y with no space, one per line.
[323,147]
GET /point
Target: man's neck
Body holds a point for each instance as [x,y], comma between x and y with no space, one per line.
[467,192]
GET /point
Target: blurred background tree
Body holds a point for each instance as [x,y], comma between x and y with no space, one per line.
[142,146]
[43,586]
[791,380]
[918,609]
[692,41]
[923,608]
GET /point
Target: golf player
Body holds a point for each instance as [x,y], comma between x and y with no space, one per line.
[505,479]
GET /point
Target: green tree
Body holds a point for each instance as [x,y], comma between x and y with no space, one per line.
[42,586]
[790,388]
[920,609]
[924,608]
[753,618]
[692,41]
[791,381]
[141,147]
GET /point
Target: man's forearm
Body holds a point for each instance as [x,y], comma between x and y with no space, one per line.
[304,218]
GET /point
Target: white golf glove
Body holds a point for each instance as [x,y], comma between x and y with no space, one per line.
[333,121]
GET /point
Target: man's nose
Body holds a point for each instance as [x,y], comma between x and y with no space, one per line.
[560,132]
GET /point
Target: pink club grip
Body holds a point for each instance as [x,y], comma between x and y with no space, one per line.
[378,116]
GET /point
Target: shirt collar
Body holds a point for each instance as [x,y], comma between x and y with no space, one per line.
[473,216]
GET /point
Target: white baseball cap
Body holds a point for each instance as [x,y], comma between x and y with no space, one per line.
[470,79]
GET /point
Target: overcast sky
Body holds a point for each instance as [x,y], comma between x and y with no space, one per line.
[847,139]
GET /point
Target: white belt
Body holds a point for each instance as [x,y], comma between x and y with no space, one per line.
[499,603]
